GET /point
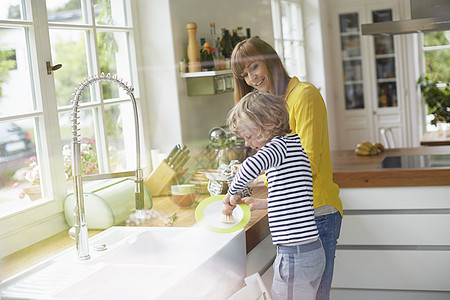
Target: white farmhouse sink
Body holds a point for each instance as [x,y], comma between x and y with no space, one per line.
[140,263]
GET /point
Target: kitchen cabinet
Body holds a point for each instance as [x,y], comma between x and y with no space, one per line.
[368,72]
[394,241]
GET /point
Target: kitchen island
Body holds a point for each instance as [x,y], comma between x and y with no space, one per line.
[394,237]
[394,241]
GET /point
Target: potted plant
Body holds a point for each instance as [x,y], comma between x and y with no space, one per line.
[437,98]
[89,165]
[32,176]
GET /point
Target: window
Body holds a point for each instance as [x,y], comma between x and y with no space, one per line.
[288,34]
[87,37]
[436,55]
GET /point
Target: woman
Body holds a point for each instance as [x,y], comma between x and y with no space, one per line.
[256,65]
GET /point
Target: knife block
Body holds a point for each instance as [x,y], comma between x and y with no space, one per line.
[157,182]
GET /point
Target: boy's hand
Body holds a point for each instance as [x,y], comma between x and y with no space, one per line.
[235,199]
[227,206]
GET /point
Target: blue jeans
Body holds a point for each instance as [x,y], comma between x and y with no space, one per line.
[329,227]
[297,271]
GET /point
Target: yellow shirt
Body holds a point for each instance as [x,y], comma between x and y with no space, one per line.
[308,118]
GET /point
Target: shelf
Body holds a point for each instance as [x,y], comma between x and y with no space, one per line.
[208,82]
[205,74]
[350,58]
[378,56]
[387,80]
[352,82]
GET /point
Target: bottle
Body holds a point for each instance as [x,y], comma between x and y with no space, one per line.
[222,40]
[193,51]
[240,33]
[202,42]
[227,47]
[212,36]
[207,58]
[248,33]
[234,38]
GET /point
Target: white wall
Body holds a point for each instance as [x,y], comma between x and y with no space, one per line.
[173,116]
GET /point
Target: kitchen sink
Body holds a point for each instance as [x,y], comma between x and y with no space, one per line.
[139,263]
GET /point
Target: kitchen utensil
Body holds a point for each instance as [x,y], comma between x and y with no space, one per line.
[175,156]
[171,154]
[208,213]
[177,161]
[182,163]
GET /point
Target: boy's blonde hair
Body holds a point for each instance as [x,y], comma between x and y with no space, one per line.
[264,113]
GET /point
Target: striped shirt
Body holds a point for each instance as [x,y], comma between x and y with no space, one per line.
[290,198]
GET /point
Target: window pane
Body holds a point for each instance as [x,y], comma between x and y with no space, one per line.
[64,11]
[352,70]
[89,158]
[295,63]
[382,15]
[19,167]
[119,119]
[15,87]
[110,12]
[291,20]
[69,49]
[10,9]
[349,22]
[354,96]
[437,54]
[436,63]
[385,68]
[114,59]
[351,46]
[437,38]
[387,94]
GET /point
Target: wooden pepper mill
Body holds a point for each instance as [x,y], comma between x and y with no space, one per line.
[193,51]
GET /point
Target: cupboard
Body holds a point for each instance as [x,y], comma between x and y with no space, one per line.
[368,71]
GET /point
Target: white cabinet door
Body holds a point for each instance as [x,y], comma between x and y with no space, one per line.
[368,78]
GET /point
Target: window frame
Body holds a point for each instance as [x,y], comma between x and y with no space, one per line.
[422,49]
[279,39]
[46,218]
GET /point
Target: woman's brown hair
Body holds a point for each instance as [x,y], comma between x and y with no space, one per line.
[255,49]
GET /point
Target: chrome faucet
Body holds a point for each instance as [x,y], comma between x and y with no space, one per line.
[80,231]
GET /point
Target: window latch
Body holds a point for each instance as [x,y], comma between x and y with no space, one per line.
[51,68]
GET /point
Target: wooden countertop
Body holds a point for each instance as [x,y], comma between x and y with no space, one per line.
[434,138]
[256,230]
[351,170]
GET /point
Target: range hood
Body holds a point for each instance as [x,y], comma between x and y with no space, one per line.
[426,15]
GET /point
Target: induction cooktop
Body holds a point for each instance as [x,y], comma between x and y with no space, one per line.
[416,161]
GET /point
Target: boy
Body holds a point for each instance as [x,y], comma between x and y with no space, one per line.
[262,120]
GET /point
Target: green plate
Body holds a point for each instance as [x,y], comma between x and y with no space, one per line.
[209,211]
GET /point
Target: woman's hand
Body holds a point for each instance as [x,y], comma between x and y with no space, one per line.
[256,203]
